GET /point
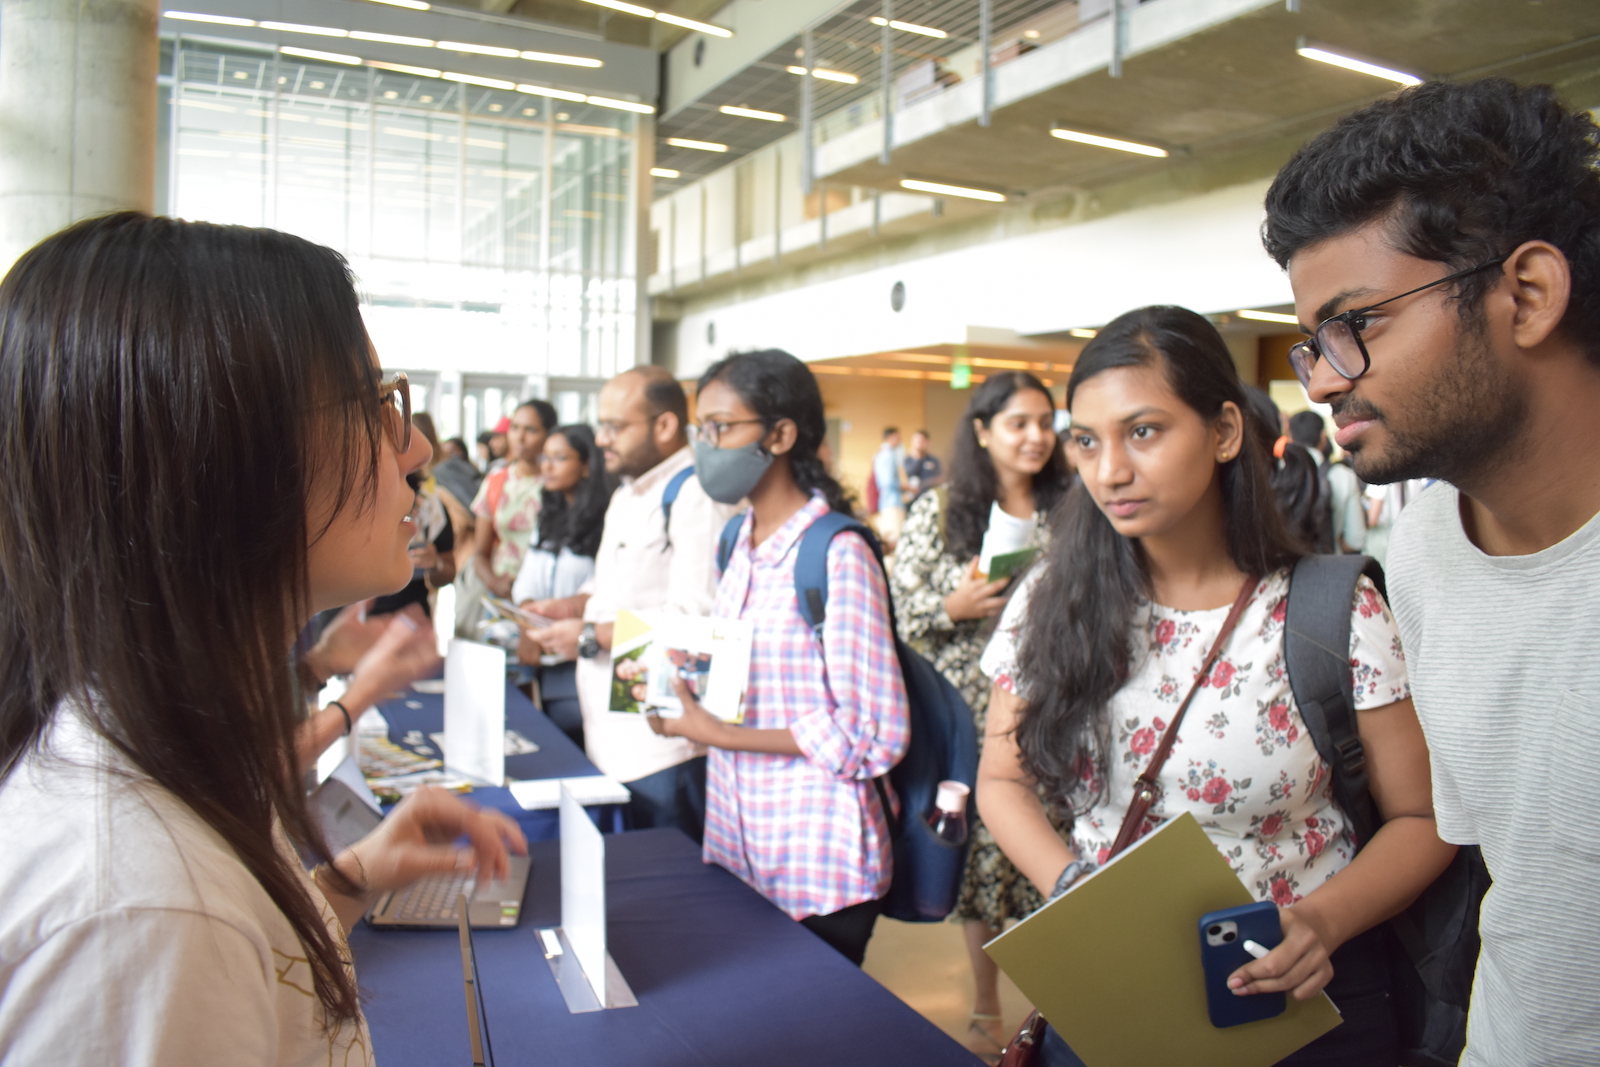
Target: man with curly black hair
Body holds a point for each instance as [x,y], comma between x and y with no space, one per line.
[1444,249]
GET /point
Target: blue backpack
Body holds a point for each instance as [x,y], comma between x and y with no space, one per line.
[944,739]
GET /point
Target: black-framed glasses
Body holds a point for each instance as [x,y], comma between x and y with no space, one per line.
[394,403]
[711,432]
[1338,339]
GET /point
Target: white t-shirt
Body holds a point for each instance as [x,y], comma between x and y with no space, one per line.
[1505,664]
[1243,764]
[130,933]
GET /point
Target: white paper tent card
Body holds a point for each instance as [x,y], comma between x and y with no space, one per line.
[475,711]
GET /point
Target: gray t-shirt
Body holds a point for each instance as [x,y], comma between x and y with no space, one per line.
[1504,656]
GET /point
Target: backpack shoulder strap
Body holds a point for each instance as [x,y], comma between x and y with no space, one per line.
[1317,655]
[811,565]
[669,497]
[728,540]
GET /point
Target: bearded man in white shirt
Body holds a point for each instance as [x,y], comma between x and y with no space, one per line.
[658,553]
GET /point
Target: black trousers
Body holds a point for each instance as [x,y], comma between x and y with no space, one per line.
[1360,989]
[847,930]
[558,694]
[673,797]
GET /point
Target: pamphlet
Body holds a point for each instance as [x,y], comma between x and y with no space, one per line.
[1006,534]
[505,609]
[649,649]
[1010,564]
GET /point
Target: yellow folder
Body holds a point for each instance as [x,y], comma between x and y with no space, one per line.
[1114,963]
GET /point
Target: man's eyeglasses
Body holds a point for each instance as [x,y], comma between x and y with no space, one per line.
[711,432]
[1338,339]
[394,402]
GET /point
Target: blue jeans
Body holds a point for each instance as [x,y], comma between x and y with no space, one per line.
[1360,988]
[673,797]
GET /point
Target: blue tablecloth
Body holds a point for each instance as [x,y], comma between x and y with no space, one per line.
[558,757]
[722,978]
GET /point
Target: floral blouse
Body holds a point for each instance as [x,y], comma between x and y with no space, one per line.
[1244,764]
[516,518]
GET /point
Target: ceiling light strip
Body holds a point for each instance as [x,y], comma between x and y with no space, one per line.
[908,27]
[703,146]
[1360,66]
[663,16]
[1110,142]
[752,113]
[328,57]
[941,189]
[664,172]
[826,75]
[1268,316]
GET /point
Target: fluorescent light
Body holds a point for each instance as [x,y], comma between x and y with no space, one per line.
[390,38]
[692,24]
[421,72]
[952,190]
[195,16]
[556,57]
[300,27]
[909,27]
[1110,142]
[663,172]
[327,57]
[752,113]
[1268,316]
[414,5]
[1082,333]
[473,79]
[621,105]
[477,49]
[556,94]
[704,146]
[618,5]
[1322,55]
[826,75]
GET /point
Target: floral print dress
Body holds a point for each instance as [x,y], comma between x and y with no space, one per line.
[922,574]
[1244,764]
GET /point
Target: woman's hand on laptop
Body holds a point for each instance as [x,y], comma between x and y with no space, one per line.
[419,836]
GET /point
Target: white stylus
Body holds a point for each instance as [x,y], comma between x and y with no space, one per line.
[1255,949]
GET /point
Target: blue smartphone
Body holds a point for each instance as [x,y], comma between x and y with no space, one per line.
[1222,937]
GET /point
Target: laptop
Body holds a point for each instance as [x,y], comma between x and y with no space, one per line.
[429,903]
[477,1018]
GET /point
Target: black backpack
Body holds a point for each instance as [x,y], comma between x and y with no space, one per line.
[944,737]
[1434,943]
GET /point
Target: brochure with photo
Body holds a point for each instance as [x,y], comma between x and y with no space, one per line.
[649,649]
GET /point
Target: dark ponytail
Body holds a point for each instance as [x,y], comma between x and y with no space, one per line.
[1076,649]
[776,385]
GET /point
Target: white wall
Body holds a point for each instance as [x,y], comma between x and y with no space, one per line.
[1204,253]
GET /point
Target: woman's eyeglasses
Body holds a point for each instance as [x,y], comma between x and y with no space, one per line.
[711,431]
[1338,339]
[394,401]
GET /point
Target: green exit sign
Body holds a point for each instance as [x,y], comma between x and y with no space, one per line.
[960,375]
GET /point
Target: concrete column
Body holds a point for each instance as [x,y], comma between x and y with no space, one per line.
[77,114]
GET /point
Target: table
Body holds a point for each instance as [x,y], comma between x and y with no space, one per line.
[557,757]
[722,978]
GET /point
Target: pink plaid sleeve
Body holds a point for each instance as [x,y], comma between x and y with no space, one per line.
[869,729]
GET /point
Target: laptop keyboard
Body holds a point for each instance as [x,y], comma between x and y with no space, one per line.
[433,898]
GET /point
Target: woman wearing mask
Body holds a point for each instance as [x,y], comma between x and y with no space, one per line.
[572,516]
[152,904]
[1174,522]
[507,504]
[791,806]
[1006,476]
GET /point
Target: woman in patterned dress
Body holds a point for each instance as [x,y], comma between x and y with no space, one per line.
[1007,470]
[1174,520]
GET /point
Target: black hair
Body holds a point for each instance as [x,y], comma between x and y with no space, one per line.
[578,526]
[458,442]
[1307,428]
[1076,648]
[1297,484]
[486,436]
[544,410]
[1465,173]
[776,385]
[663,394]
[890,431]
[171,389]
[974,484]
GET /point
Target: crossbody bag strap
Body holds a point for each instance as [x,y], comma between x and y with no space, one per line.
[1146,787]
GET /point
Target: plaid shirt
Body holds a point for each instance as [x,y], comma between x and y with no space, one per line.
[808,832]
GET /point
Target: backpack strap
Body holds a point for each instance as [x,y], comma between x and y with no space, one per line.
[1316,642]
[669,497]
[728,540]
[811,566]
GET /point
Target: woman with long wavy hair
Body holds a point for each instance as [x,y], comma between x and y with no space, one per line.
[1173,522]
[199,455]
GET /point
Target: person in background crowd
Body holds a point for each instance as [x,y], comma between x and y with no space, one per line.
[508,501]
[453,447]
[486,451]
[1307,430]
[1384,503]
[792,807]
[1008,470]
[888,474]
[1444,245]
[923,470]
[456,481]
[648,560]
[1297,482]
[500,445]
[433,547]
[1172,521]
[560,561]
[152,905]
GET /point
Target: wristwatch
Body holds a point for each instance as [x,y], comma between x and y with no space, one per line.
[588,643]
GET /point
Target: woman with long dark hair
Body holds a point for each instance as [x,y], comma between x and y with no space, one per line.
[572,516]
[1174,520]
[1006,475]
[199,455]
[791,806]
